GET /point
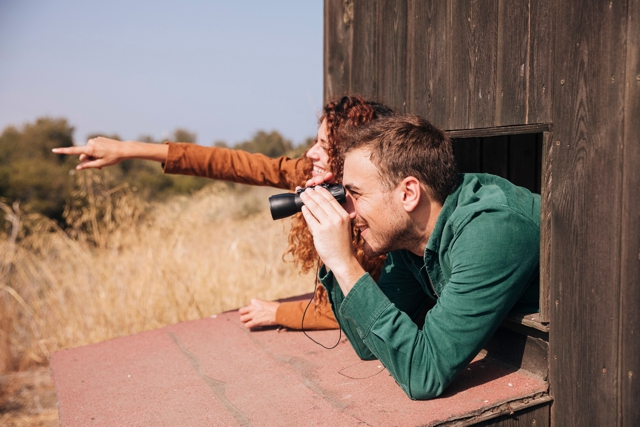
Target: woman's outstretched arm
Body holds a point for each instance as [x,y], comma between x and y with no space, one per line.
[196,160]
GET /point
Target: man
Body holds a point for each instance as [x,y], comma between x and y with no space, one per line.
[471,242]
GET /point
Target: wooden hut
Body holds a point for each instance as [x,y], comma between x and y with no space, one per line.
[546,93]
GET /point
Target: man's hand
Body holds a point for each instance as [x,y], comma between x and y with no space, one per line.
[330,226]
[259,313]
[100,152]
[317,180]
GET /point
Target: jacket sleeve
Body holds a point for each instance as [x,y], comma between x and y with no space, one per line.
[235,166]
[396,283]
[336,297]
[289,314]
[493,262]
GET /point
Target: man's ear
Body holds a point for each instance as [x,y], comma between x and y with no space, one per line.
[411,193]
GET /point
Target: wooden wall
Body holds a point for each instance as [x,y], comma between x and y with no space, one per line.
[461,64]
[575,66]
[595,213]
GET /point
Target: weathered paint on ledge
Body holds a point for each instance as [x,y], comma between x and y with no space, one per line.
[214,372]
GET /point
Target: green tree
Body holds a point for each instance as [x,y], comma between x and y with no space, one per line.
[30,173]
[183,135]
[147,138]
[272,144]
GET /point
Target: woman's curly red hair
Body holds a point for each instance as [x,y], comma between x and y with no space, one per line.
[346,111]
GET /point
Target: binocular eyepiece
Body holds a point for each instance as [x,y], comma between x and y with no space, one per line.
[287,204]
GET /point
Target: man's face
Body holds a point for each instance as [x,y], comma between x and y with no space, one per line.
[376,211]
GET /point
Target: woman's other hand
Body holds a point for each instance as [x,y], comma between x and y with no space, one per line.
[259,313]
[317,180]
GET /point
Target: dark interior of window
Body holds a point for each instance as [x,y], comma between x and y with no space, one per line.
[517,158]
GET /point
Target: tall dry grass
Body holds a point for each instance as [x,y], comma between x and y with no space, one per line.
[123,266]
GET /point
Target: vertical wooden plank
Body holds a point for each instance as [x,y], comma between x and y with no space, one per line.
[364,80]
[586,212]
[427,64]
[495,156]
[546,243]
[392,53]
[459,67]
[472,63]
[482,46]
[540,82]
[629,377]
[338,42]
[523,161]
[513,62]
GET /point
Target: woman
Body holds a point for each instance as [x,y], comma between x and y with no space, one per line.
[256,169]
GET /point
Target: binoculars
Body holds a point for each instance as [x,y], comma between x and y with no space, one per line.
[287,204]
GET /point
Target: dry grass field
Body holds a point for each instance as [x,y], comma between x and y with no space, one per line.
[124,267]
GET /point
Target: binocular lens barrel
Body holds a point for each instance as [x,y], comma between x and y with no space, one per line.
[284,205]
[287,204]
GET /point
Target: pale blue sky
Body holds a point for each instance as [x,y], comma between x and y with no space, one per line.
[221,69]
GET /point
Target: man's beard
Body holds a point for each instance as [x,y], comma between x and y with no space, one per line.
[403,236]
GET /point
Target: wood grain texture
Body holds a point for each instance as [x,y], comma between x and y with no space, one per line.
[500,130]
[461,64]
[513,62]
[338,46]
[392,53]
[540,82]
[364,78]
[537,416]
[629,375]
[546,241]
[586,212]
[426,60]
[481,53]
[458,64]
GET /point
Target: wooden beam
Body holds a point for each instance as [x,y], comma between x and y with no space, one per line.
[499,130]
[546,245]
[629,375]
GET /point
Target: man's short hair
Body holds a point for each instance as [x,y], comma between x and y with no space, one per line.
[407,145]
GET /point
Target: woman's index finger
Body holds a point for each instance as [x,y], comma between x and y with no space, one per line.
[70,150]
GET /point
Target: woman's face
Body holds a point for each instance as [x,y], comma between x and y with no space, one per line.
[317,153]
